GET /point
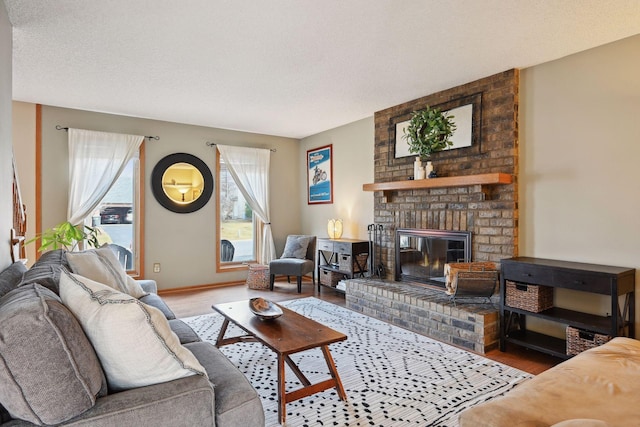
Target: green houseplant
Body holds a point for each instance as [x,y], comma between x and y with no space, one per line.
[429,131]
[67,236]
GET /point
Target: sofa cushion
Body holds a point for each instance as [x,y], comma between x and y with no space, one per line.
[133,340]
[102,265]
[582,422]
[11,276]
[237,402]
[155,301]
[583,387]
[148,285]
[46,270]
[296,247]
[183,331]
[4,415]
[48,369]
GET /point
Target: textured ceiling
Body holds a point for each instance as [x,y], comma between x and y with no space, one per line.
[286,67]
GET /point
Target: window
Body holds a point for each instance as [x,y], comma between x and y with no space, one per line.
[236,223]
[119,215]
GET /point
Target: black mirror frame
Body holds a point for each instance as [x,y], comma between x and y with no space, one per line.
[162,198]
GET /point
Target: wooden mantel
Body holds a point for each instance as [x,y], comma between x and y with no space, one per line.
[449,181]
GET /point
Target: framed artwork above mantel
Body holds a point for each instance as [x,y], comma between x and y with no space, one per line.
[467,115]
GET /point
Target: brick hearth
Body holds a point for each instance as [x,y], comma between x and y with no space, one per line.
[429,312]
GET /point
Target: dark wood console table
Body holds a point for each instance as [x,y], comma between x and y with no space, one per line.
[614,282]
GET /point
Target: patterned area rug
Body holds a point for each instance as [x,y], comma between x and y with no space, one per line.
[392,377]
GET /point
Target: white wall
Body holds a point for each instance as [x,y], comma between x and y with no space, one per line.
[6,175]
[353,147]
[579,153]
[184,244]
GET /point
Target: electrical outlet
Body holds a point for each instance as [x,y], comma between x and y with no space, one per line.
[156,267]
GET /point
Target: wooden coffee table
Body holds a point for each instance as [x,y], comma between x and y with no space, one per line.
[288,334]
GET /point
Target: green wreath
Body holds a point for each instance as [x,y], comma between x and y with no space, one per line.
[429,131]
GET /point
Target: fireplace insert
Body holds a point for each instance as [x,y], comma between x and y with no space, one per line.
[421,254]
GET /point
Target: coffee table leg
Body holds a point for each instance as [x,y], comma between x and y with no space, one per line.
[223,330]
[282,402]
[334,372]
[297,371]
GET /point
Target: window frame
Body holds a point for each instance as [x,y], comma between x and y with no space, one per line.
[138,218]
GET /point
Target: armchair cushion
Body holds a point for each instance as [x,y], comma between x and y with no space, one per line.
[296,247]
[291,266]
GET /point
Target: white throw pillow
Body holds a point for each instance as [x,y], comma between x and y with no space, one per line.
[133,341]
[102,266]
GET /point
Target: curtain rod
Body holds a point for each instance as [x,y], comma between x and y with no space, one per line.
[58,127]
[213,144]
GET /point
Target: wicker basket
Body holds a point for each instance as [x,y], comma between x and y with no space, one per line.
[330,278]
[579,340]
[258,277]
[345,264]
[532,298]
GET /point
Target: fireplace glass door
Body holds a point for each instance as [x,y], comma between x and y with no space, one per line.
[422,254]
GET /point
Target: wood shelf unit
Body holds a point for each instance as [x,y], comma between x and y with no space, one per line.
[450,181]
[348,249]
[613,282]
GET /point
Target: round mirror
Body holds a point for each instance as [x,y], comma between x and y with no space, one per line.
[182,183]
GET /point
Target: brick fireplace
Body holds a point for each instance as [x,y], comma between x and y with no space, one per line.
[489,212]
[476,193]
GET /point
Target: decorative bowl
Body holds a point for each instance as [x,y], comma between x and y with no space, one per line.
[264,309]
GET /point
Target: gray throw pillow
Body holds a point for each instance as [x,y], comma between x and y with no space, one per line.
[296,247]
[48,369]
[46,270]
[11,276]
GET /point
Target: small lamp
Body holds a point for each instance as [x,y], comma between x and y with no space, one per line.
[184,190]
[334,228]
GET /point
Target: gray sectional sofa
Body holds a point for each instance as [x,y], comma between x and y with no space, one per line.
[50,374]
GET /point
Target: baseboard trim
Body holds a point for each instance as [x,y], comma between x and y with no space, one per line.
[197,288]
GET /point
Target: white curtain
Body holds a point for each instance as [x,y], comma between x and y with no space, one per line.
[96,160]
[249,167]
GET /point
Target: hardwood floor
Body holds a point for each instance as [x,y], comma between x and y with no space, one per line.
[193,303]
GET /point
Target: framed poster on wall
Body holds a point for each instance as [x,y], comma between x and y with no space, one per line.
[320,175]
